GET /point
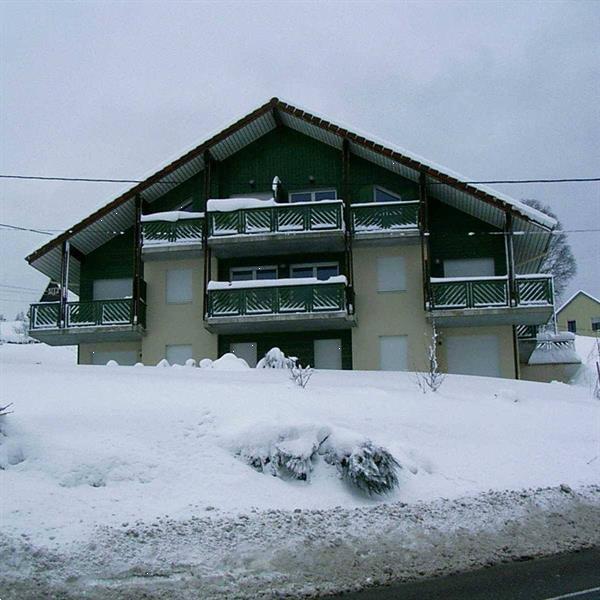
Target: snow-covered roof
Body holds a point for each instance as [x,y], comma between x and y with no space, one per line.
[480,201]
[564,304]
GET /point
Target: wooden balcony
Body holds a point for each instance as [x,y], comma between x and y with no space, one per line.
[475,301]
[393,221]
[83,322]
[180,237]
[276,228]
[279,305]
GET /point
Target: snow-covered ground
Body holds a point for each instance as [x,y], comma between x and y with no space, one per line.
[101,457]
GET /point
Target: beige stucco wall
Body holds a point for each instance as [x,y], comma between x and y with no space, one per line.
[86,350]
[581,309]
[175,323]
[388,313]
[504,334]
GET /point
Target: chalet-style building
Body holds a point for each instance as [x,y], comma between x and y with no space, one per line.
[580,314]
[287,230]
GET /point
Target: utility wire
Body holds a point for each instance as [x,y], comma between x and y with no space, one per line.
[16,227]
[487,181]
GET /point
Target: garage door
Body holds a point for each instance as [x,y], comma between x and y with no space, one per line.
[473,354]
[123,357]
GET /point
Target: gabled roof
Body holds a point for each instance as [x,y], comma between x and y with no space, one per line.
[479,201]
[564,304]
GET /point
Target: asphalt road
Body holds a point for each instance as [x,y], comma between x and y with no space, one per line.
[573,576]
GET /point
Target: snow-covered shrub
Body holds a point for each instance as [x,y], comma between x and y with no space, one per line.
[138,364]
[295,458]
[300,375]
[190,362]
[205,363]
[163,363]
[369,468]
[432,379]
[230,362]
[276,359]
[3,413]
[112,363]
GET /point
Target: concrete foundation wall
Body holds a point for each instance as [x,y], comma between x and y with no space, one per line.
[546,373]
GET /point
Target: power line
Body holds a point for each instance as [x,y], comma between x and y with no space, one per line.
[17,228]
[19,287]
[106,180]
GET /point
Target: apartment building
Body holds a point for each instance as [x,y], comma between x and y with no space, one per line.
[288,230]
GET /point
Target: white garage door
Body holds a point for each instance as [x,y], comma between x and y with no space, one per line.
[123,357]
[473,354]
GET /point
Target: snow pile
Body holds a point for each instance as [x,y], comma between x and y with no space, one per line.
[588,348]
[555,348]
[276,359]
[15,332]
[171,216]
[227,362]
[232,204]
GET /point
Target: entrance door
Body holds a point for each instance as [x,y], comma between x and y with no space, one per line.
[245,350]
[328,354]
[473,354]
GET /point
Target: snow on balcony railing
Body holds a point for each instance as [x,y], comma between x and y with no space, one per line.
[251,216]
[385,216]
[276,296]
[173,227]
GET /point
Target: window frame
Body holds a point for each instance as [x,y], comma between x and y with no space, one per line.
[254,269]
[312,195]
[176,302]
[595,323]
[314,266]
[573,328]
[385,190]
[402,259]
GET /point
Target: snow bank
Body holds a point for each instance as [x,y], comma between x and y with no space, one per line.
[15,332]
[231,204]
[229,362]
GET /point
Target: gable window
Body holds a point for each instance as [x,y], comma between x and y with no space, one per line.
[251,273]
[382,195]
[572,326]
[313,196]
[391,274]
[320,271]
[595,323]
[179,286]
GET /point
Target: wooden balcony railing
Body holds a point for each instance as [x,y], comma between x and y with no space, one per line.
[182,231]
[95,313]
[385,216]
[277,298]
[490,292]
[326,215]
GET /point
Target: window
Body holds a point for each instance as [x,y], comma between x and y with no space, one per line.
[595,323]
[177,354]
[328,354]
[321,271]
[313,196]
[393,353]
[246,350]
[382,195]
[469,267]
[391,274]
[110,289]
[179,286]
[572,326]
[250,273]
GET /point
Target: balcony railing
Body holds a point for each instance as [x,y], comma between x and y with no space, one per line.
[276,297]
[184,230]
[490,292]
[95,313]
[280,218]
[385,216]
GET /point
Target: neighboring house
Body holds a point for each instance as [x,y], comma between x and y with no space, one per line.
[337,248]
[580,314]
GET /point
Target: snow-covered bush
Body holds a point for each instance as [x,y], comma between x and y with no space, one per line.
[366,466]
[432,379]
[230,362]
[3,413]
[112,363]
[190,362]
[300,375]
[163,363]
[205,363]
[276,359]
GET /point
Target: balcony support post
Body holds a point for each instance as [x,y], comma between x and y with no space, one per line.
[137,260]
[348,233]
[425,248]
[510,259]
[206,253]
[64,283]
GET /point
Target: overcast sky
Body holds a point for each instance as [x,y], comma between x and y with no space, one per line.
[115,89]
